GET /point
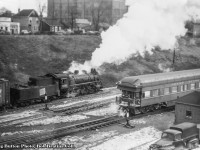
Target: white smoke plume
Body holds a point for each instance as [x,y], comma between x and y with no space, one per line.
[148,23]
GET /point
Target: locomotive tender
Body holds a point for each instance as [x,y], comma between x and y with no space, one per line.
[53,86]
[144,93]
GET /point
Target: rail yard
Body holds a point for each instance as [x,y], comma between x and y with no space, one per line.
[36,127]
[40,125]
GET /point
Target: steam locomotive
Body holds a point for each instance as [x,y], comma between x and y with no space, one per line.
[52,86]
[144,93]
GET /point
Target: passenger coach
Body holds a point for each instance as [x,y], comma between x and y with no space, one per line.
[143,93]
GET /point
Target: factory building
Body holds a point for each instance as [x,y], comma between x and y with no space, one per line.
[95,11]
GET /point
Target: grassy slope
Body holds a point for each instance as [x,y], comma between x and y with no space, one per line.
[21,56]
[37,55]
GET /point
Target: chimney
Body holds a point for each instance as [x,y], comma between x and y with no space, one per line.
[18,10]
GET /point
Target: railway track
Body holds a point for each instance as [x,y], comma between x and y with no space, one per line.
[80,108]
[40,105]
[64,131]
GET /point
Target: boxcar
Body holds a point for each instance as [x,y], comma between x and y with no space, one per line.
[4,93]
[146,92]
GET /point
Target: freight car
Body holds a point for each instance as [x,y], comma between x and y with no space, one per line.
[144,93]
[52,86]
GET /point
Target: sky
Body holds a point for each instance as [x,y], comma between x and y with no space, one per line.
[13,5]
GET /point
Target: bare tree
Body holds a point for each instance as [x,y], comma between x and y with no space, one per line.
[72,16]
[42,8]
[98,11]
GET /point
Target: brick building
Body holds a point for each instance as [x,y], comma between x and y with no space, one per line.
[95,11]
[187,108]
[28,19]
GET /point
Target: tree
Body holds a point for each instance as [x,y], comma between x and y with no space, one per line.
[42,8]
[99,11]
[72,16]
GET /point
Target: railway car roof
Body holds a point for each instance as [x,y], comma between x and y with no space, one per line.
[58,76]
[150,79]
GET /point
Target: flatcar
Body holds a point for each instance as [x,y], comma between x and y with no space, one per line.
[51,86]
[144,93]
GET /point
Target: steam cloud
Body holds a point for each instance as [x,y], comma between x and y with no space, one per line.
[148,23]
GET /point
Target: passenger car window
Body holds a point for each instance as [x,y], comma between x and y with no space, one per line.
[185,87]
[155,92]
[192,86]
[147,94]
[174,89]
[181,89]
[166,91]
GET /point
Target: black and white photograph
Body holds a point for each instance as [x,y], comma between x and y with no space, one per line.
[100,74]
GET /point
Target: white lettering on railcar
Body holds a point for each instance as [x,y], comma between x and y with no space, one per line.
[42,91]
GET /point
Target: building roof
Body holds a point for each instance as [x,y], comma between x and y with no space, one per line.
[27,12]
[159,78]
[52,22]
[191,99]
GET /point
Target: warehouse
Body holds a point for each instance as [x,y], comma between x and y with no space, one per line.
[187,108]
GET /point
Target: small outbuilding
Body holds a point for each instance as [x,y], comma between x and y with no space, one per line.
[187,108]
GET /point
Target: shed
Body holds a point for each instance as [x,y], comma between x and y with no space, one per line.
[187,108]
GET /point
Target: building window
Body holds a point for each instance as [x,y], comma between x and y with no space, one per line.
[188,114]
[174,89]
[192,86]
[155,92]
[181,88]
[146,94]
[166,91]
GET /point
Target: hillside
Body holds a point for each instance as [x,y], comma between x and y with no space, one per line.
[21,56]
[32,55]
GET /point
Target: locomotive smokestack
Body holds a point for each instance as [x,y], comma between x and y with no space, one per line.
[76,72]
[93,71]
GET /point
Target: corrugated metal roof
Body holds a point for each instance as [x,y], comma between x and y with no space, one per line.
[153,79]
[192,98]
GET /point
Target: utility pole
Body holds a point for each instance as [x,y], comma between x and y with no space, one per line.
[60,10]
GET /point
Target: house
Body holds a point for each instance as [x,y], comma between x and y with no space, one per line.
[48,25]
[28,19]
[187,108]
[7,25]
